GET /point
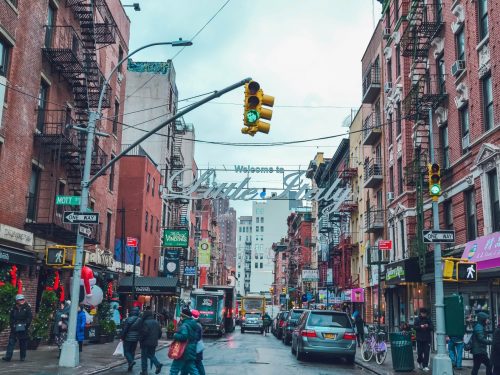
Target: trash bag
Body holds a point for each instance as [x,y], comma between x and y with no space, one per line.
[119,349]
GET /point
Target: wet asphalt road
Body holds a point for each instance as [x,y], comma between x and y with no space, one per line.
[252,353]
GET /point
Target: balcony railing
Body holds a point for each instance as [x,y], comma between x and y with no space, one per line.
[374,220]
[53,131]
[373,173]
[372,129]
[371,83]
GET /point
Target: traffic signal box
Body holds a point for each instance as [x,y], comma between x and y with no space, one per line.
[283,290]
[455,269]
[434,171]
[255,109]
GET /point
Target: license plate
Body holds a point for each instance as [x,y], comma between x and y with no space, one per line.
[330,336]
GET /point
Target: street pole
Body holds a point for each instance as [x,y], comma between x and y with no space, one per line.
[441,363]
[70,356]
[379,287]
[133,273]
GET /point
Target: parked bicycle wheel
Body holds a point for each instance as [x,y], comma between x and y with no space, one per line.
[367,351]
[380,352]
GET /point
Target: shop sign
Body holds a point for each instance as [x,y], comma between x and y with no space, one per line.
[14,256]
[189,271]
[175,238]
[204,253]
[12,234]
[385,245]
[171,260]
[100,257]
[358,295]
[329,276]
[485,251]
[395,273]
[310,275]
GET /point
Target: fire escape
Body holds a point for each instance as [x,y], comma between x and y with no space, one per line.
[73,55]
[426,93]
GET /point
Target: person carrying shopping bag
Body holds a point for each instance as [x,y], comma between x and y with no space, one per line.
[200,346]
[130,335]
[185,339]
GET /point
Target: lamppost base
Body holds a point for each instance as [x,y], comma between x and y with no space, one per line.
[441,365]
[70,354]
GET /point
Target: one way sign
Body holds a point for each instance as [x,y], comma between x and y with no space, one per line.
[73,217]
[439,236]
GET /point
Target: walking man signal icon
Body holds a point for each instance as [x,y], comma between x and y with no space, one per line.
[466,271]
[471,271]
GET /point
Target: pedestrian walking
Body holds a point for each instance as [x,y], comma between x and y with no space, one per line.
[455,350]
[495,351]
[266,320]
[20,321]
[150,333]
[480,345]
[81,320]
[186,331]
[359,323]
[199,345]
[423,327]
[130,336]
[61,324]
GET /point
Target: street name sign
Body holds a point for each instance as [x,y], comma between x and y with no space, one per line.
[85,230]
[68,200]
[131,242]
[385,244]
[439,236]
[74,217]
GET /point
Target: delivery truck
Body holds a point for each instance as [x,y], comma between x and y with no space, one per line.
[229,310]
[210,304]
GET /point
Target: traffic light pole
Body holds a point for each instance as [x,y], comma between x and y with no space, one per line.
[441,363]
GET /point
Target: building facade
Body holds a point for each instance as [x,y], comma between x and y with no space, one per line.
[244,254]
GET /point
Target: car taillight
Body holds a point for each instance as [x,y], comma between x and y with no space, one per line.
[282,323]
[308,333]
[349,336]
[243,318]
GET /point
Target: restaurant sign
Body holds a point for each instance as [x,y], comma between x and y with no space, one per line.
[485,251]
[175,238]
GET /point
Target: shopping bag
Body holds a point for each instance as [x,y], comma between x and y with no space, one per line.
[119,349]
[200,346]
[176,349]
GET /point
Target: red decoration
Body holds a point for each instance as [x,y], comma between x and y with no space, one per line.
[110,290]
[87,280]
[56,281]
[13,275]
[61,296]
[20,287]
[2,283]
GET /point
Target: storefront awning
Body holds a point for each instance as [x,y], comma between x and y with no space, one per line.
[406,270]
[16,256]
[485,251]
[149,285]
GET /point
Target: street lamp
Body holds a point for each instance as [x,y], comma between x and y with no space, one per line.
[70,356]
[136,6]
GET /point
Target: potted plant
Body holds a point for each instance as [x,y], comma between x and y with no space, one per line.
[108,330]
[7,302]
[107,327]
[40,326]
[170,330]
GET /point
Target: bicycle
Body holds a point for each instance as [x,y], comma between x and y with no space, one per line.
[374,345]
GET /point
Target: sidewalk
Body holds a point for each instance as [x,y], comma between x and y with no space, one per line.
[94,359]
[386,367]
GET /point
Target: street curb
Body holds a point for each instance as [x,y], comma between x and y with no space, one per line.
[361,364]
[120,363]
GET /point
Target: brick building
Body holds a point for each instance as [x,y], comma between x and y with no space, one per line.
[53,57]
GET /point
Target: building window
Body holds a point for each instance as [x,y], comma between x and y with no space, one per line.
[115,117]
[441,70]
[120,58]
[33,192]
[154,265]
[256,229]
[157,225]
[262,265]
[148,180]
[262,220]
[149,264]
[151,225]
[389,128]
[389,70]
[460,44]
[403,242]
[61,189]
[398,60]
[391,179]
[398,119]
[494,200]
[4,58]
[256,265]
[49,29]
[400,177]
[146,219]
[112,175]
[448,214]
[445,146]
[464,127]
[487,103]
[257,220]
[108,230]
[153,186]
[483,18]
[42,104]
[262,229]
[261,256]
[470,214]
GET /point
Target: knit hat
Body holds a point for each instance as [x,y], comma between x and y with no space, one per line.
[195,314]
[19,297]
[186,312]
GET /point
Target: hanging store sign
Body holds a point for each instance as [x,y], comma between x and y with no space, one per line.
[293,186]
[12,234]
[189,271]
[175,238]
[204,253]
[406,270]
[485,251]
[171,263]
[310,275]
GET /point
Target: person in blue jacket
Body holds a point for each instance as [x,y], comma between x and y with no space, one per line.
[81,320]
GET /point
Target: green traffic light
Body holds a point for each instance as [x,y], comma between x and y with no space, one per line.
[252,116]
[435,189]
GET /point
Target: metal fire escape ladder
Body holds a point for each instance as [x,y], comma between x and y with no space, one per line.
[180,206]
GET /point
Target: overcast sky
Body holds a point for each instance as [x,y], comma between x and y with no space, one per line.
[304,53]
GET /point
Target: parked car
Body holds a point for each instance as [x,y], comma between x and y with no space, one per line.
[278,324]
[252,322]
[324,332]
[289,325]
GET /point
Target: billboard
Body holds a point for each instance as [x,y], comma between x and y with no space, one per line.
[310,275]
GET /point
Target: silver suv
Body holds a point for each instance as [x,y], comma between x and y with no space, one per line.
[252,322]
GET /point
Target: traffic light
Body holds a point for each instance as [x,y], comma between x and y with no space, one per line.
[271,290]
[466,271]
[283,290]
[434,180]
[448,269]
[254,111]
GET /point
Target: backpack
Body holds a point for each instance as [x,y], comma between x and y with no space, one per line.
[468,342]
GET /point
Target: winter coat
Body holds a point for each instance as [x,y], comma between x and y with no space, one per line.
[479,340]
[199,335]
[81,320]
[20,315]
[266,320]
[187,331]
[423,334]
[495,349]
[132,327]
[151,330]
[360,324]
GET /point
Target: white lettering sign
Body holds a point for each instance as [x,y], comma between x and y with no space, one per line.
[16,235]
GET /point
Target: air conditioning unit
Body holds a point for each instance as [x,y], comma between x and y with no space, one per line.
[465,142]
[3,88]
[387,33]
[390,196]
[387,87]
[458,67]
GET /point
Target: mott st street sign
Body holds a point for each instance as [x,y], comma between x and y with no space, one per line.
[439,236]
[74,217]
[68,200]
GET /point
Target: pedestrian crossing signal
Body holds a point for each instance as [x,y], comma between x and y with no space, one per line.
[466,271]
[55,256]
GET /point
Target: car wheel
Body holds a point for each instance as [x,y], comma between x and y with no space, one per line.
[291,349]
[350,359]
[299,354]
[286,341]
[242,330]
